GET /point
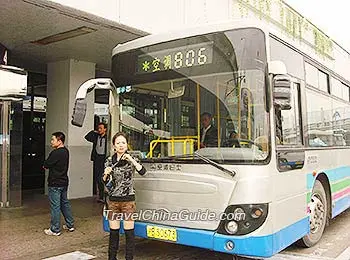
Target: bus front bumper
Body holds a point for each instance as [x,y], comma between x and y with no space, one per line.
[255,246]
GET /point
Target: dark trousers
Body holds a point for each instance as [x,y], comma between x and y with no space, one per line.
[99,164]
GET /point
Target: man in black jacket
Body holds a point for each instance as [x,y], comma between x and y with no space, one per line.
[57,163]
[209,134]
[98,156]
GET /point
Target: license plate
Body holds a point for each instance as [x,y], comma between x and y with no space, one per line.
[169,234]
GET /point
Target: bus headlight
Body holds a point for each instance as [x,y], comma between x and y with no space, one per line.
[243,219]
[231,227]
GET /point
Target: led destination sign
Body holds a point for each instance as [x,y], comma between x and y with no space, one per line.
[176,58]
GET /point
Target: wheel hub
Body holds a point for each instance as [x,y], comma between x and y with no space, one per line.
[317,213]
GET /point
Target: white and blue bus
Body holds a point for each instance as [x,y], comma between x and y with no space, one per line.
[278,182]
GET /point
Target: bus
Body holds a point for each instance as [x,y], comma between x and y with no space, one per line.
[252,199]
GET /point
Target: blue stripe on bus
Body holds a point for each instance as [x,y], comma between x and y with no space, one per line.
[310,180]
[341,205]
[264,246]
[333,175]
[338,173]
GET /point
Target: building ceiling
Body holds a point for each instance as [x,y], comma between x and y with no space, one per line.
[25,21]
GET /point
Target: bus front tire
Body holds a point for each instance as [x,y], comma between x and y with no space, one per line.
[318,216]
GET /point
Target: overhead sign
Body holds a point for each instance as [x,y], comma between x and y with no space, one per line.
[39,104]
[175,58]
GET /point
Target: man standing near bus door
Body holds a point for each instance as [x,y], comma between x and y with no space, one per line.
[98,156]
[57,163]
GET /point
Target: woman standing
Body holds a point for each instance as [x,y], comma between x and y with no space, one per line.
[120,168]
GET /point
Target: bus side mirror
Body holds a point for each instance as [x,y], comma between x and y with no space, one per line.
[282,92]
[79,112]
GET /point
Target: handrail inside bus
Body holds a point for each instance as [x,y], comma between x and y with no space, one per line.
[172,142]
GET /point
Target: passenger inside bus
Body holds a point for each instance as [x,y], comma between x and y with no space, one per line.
[209,137]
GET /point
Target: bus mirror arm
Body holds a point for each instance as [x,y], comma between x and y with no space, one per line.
[277,67]
[91,84]
[80,106]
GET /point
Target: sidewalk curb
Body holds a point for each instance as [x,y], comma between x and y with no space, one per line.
[345,255]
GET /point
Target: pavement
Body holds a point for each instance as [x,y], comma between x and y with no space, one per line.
[22,237]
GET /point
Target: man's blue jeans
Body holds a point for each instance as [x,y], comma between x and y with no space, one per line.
[59,203]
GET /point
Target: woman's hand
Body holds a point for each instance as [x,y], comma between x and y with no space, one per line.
[108,170]
[129,158]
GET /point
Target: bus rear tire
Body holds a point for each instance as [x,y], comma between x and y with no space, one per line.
[318,216]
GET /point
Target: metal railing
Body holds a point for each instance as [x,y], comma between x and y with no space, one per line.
[188,140]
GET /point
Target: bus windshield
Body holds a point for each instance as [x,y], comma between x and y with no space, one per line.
[203,94]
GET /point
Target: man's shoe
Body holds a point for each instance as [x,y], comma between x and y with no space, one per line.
[71,229]
[49,232]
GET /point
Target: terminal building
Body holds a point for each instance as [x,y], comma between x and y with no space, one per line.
[59,47]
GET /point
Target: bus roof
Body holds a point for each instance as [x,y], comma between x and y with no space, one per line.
[277,19]
[184,33]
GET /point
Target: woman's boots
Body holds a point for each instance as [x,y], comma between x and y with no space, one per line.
[130,244]
[113,244]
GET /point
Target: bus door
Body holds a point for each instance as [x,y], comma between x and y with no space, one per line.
[288,132]
[141,116]
[238,109]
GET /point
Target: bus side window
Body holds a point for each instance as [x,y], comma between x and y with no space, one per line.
[288,122]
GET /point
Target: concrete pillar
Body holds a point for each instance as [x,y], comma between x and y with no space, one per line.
[63,80]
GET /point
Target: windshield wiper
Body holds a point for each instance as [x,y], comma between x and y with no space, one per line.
[218,166]
[201,157]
